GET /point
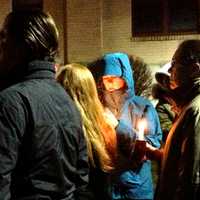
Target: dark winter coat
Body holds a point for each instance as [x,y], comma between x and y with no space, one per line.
[180,172]
[166,117]
[163,108]
[42,148]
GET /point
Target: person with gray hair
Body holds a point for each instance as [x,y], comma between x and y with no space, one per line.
[180,168]
[43,152]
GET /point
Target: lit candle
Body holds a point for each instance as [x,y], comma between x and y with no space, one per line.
[142,124]
[140,144]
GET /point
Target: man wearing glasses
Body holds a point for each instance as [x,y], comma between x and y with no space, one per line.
[180,170]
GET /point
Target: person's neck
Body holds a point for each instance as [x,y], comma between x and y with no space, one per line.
[116,106]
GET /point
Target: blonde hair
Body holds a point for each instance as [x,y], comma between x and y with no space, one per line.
[100,136]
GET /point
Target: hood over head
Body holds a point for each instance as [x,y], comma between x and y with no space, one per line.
[118,64]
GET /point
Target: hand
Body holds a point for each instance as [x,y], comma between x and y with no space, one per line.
[140,150]
[153,153]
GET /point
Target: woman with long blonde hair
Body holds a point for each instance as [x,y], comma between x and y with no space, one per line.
[100,135]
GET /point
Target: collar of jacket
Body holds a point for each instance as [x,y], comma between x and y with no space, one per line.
[36,69]
[183,98]
[40,69]
[194,91]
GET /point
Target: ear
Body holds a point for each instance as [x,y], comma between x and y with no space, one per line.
[195,70]
[198,66]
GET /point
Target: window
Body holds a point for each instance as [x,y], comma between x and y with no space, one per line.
[27,4]
[165,17]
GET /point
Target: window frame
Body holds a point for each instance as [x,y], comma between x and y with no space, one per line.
[165,27]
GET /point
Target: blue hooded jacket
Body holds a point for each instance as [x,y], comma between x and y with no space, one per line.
[131,184]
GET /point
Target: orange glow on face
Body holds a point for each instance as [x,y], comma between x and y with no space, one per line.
[112,83]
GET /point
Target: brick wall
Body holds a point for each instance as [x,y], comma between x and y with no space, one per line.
[57,9]
[5,7]
[90,28]
[112,32]
[117,35]
[84,21]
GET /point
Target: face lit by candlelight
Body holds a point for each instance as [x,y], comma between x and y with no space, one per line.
[112,83]
[141,126]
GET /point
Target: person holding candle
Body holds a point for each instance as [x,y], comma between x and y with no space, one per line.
[180,170]
[115,82]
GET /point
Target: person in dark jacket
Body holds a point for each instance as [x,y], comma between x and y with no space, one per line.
[113,74]
[163,108]
[161,92]
[43,152]
[180,170]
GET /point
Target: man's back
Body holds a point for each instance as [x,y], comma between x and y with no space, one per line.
[43,149]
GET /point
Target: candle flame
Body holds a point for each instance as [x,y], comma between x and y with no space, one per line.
[142,125]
